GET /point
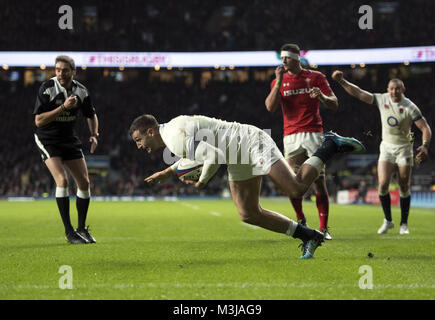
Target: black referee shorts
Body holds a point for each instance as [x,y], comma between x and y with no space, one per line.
[64,150]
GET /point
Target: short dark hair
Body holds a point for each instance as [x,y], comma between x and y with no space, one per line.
[291,47]
[398,81]
[142,123]
[66,59]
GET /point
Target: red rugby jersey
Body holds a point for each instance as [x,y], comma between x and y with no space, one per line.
[300,112]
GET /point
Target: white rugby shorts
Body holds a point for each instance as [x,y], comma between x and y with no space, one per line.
[262,156]
[402,155]
[301,142]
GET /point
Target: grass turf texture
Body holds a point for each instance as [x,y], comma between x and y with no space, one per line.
[201,250]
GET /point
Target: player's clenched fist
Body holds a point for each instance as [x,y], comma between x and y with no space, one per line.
[70,102]
[337,75]
[315,93]
[279,71]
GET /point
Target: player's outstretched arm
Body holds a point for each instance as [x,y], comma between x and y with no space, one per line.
[160,176]
[352,89]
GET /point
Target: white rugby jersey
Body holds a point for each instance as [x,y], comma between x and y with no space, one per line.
[211,141]
[396,118]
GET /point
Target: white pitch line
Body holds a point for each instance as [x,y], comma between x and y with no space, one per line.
[191,206]
[250,226]
[214,213]
[217,285]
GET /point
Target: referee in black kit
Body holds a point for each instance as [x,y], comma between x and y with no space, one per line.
[56,110]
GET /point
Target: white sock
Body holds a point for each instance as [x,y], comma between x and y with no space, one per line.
[84,194]
[292,228]
[62,192]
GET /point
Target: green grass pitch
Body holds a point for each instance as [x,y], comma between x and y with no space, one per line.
[199,249]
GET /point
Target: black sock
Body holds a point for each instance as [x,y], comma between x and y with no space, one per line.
[63,205]
[303,233]
[326,151]
[82,211]
[404,209]
[386,206]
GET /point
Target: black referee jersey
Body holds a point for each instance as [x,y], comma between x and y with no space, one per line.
[50,96]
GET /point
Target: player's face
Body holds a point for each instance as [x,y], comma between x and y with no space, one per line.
[289,63]
[144,141]
[64,73]
[395,90]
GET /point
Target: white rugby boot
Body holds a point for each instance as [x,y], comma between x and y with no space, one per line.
[404,228]
[385,226]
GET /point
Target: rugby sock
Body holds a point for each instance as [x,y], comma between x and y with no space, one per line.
[386,205]
[322,202]
[404,209]
[297,206]
[326,151]
[62,200]
[303,233]
[82,204]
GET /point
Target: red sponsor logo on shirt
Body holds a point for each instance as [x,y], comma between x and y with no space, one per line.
[401,110]
[386,106]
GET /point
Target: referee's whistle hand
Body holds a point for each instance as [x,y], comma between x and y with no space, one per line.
[70,102]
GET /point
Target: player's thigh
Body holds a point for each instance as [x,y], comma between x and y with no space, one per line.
[385,172]
[404,175]
[57,170]
[297,160]
[285,179]
[246,195]
[79,171]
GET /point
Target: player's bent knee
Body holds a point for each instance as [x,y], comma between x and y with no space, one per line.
[83,183]
[294,193]
[61,182]
[249,216]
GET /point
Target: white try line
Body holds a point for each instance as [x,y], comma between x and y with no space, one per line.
[196,208]
[191,206]
[147,285]
[250,226]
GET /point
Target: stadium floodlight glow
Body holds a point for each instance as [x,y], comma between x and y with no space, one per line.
[219,59]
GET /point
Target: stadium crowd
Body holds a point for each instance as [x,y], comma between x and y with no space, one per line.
[119,102]
[194,25]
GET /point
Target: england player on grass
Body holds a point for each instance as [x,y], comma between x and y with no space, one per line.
[299,91]
[398,113]
[57,106]
[249,153]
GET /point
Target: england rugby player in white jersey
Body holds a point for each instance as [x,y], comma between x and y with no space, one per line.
[249,153]
[398,113]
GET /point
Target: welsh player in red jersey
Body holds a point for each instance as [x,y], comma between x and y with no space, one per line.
[299,91]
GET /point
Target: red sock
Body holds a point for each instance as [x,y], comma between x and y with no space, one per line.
[322,202]
[297,205]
